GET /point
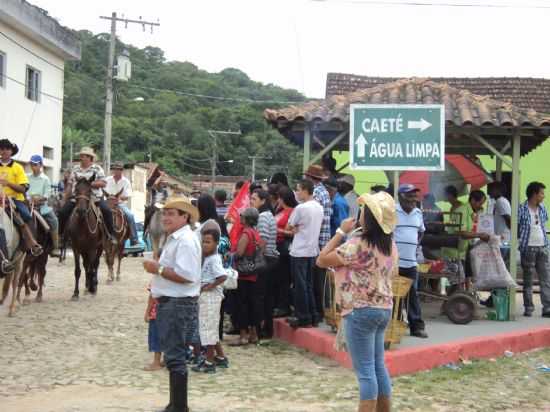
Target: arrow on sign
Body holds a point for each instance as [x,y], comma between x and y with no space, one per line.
[361,143]
[420,124]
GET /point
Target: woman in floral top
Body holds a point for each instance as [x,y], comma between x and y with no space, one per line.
[367,263]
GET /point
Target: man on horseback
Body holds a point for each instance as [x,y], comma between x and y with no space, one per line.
[39,192]
[158,193]
[14,184]
[87,169]
[119,183]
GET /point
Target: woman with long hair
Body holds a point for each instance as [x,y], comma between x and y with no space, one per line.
[287,203]
[267,228]
[366,264]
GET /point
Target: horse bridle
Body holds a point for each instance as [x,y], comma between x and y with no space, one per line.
[89,199]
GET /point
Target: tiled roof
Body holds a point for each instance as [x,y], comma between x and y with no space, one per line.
[524,92]
[462,109]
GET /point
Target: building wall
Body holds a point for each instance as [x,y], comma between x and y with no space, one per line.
[32,125]
[138,178]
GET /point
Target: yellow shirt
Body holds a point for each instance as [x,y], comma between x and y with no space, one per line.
[14,173]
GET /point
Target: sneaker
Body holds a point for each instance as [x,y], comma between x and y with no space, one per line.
[204,367]
[195,360]
[221,362]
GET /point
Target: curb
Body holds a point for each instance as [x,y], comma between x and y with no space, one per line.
[411,360]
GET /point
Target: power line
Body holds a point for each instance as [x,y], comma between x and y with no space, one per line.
[39,92]
[31,52]
[428,4]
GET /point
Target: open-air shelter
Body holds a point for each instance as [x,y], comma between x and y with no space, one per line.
[474,125]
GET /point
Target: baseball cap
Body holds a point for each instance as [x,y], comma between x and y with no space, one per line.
[36,159]
[408,188]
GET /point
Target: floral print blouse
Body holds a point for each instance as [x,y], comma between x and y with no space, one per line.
[366,277]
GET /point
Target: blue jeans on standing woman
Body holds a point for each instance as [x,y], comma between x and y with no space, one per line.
[364,328]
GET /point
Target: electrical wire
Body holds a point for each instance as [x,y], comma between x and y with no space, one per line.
[31,52]
[429,4]
[60,99]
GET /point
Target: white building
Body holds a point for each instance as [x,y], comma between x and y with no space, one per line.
[33,51]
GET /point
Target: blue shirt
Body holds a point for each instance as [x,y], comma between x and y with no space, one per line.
[524,225]
[409,227]
[320,194]
[340,211]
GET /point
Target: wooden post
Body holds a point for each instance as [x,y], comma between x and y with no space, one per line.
[395,184]
[516,153]
[499,170]
[307,145]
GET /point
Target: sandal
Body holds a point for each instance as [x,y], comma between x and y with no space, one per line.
[239,342]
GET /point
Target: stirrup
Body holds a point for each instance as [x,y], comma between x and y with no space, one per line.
[36,250]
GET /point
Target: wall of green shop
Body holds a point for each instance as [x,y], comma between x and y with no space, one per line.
[533,167]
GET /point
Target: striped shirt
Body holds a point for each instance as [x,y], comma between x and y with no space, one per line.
[524,225]
[267,227]
[78,172]
[409,227]
[320,194]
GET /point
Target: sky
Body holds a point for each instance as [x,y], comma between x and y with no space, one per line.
[295,43]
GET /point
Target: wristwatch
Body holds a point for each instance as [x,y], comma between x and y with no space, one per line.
[161,269]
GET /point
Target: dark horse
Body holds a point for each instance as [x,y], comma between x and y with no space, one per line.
[34,267]
[122,232]
[85,230]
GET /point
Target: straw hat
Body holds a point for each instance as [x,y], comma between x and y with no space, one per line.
[88,151]
[182,203]
[382,206]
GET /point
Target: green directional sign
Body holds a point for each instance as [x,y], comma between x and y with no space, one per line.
[397,137]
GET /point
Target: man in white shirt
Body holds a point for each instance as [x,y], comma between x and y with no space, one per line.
[305,222]
[118,183]
[176,286]
[408,232]
[501,210]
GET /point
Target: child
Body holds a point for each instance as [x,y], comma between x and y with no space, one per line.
[154,344]
[212,278]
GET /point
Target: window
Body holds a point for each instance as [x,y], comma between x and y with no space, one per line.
[47,152]
[33,84]
[2,69]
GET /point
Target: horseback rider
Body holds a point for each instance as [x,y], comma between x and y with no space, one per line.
[118,183]
[158,195]
[14,184]
[87,169]
[40,191]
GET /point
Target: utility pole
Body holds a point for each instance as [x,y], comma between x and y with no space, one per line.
[109,83]
[214,160]
[254,164]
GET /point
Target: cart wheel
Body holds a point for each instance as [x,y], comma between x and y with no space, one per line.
[387,345]
[460,308]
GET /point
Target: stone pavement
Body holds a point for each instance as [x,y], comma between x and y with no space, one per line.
[63,356]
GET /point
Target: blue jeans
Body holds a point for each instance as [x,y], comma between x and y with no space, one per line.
[154,344]
[304,298]
[364,330]
[177,321]
[131,221]
[23,210]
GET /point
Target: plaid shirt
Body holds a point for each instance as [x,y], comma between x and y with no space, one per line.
[320,194]
[524,225]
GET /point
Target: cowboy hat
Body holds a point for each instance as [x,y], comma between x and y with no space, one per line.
[181,203]
[316,172]
[117,166]
[88,151]
[382,206]
[6,144]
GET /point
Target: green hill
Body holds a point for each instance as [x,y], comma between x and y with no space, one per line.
[170,118]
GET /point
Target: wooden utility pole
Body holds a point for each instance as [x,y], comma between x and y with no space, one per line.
[109,82]
[254,164]
[214,160]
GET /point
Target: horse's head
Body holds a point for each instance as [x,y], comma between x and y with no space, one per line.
[83,194]
[113,199]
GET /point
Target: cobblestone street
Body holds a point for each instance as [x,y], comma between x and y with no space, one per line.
[89,355]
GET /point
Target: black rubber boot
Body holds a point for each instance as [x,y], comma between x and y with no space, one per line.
[180,392]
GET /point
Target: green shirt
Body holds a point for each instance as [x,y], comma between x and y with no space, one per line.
[40,186]
[463,215]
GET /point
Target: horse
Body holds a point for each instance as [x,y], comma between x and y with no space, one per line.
[121,230]
[86,233]
[156,233]
[35,266]
[12,258]
[58,203]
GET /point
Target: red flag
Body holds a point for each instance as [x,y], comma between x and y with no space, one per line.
[240,203]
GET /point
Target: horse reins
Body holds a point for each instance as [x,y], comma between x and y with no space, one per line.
[84,197]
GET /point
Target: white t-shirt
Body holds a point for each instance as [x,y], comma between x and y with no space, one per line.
[409,227]
[536,235]
[502,208]
[307,217]
[112,187]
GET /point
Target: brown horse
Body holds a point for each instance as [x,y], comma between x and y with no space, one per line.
[121,230]
[86,232]
[34,267]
